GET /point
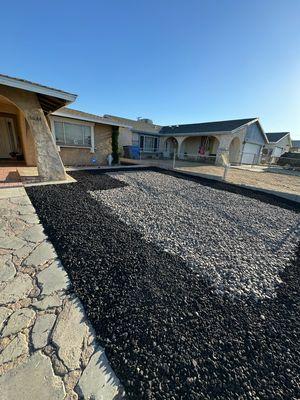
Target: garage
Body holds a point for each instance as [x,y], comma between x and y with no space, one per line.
[251,152]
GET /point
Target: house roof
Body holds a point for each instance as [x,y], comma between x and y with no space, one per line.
[83,116]
[139,125]
[206,127]
[275,137]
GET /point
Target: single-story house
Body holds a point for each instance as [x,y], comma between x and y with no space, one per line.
[295,146]
[35,126]
[242,140]
[279,143]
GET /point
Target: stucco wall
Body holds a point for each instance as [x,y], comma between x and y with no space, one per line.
[254,135]
[125,137]
[72,156]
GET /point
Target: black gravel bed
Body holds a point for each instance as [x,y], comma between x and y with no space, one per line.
[166,333]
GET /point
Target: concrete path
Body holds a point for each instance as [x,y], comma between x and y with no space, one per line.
[47,347]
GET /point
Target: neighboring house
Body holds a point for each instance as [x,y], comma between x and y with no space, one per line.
[295,146]
[279,143]
[32,116]
[242,140]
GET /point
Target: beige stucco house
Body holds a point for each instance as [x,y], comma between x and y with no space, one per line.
[37,128]
[240,141]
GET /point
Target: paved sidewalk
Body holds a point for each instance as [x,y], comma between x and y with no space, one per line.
[47,347]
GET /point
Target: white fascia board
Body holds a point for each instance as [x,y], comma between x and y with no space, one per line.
[250,123]
[33,87]
[89,119]
[195,134]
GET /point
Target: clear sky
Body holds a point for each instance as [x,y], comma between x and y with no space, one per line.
[174,61]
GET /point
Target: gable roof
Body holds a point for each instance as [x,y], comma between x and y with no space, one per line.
[206,127]
[275,137]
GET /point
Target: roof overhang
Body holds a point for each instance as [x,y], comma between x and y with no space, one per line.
[196,134]
[50,99]
[96,119]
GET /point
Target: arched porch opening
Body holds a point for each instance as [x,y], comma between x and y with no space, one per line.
[16,141]
[170,146]
[235,151]
[199,146]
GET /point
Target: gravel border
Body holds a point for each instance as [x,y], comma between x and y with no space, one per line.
[167,334]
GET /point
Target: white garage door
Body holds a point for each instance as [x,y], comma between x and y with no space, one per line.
[250,154]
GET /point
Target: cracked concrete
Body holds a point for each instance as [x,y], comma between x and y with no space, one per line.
[40,323]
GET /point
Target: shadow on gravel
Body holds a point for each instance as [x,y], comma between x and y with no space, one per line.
[166,334]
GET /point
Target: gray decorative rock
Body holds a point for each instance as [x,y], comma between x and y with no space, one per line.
[98,381]
[16,289]
[4,314]
[40,255]
[66,337]
[53,278]
[7,269]
[12,243]
[48,302]
[34,234]
[32,381]
[14,349]
[19,320]
[41,330]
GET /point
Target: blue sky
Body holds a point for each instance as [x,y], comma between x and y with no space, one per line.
[173,61]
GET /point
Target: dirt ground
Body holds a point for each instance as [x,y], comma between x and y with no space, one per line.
[273,178]
[281,182]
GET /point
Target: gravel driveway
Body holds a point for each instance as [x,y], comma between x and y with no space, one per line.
[171,331]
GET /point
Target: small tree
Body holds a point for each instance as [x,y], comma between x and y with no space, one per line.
[115,144]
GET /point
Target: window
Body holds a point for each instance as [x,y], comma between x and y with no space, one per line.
[149,143]
[70,134]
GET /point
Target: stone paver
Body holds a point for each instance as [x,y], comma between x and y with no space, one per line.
[46,343]
[12,243]
[4,314]
[98,380]
[40,255]
[34,380]
[19,320]
[14,349]
[7,269]
[42,329]
[68,340]
[34,234]
[16,289]
[53,279]
[48,302]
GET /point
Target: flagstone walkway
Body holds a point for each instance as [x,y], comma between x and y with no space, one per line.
[47,347]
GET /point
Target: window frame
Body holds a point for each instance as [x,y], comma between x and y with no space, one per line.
[143,141]
[91,147]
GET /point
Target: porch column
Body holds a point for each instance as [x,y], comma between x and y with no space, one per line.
[49,163]
[223,149]
[180,140]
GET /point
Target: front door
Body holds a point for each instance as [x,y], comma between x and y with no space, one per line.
[8,139]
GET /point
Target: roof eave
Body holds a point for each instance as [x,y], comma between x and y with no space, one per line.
[33,87]
[63,114]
